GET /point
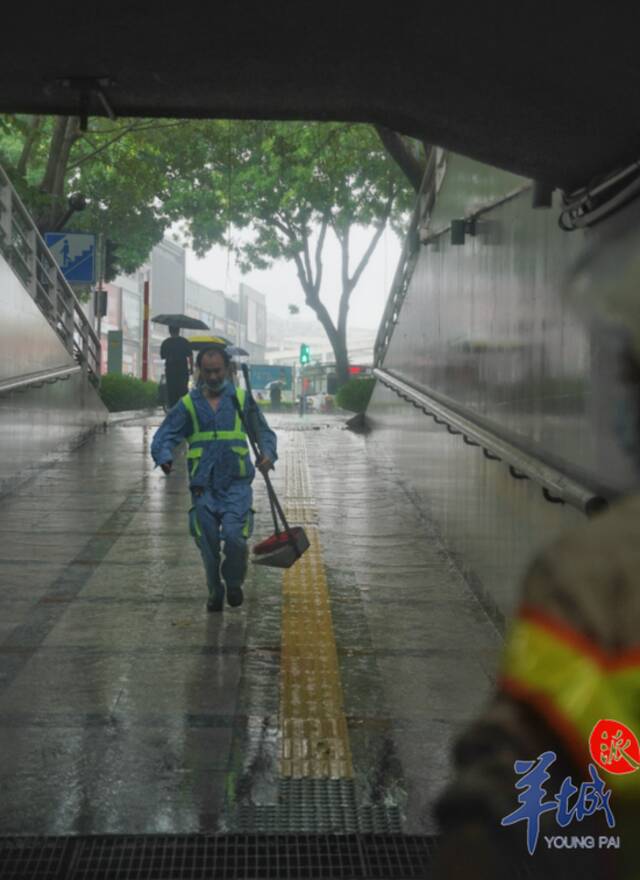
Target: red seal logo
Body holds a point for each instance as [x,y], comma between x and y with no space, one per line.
[614,747]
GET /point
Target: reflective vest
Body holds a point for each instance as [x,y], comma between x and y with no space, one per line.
[573,683]
[198,440]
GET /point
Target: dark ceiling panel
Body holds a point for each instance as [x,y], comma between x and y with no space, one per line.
[553,96]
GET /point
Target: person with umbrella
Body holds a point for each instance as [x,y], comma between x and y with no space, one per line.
[220,468]
[275,393]
[175,351]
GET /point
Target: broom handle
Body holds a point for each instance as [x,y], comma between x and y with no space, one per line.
[258,455]
[273,498]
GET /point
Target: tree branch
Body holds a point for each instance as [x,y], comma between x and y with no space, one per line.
[380,227]
[344,247]
[349,284]
[319,248]
[307,262]
[134,127]
[57,138]
[30,140]
[284,228]
[307,284]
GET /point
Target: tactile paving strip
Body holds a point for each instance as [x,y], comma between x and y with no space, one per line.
[313,727]
[298,501]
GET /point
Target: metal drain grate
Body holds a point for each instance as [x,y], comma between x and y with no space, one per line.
[41,857]
[318,806]
[225,857]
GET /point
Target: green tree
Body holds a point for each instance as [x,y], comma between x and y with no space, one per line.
[288,183]
[139,177]
[293,183]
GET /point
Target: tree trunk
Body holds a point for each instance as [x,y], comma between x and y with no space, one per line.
[342,362]
[30,140]
[65,134]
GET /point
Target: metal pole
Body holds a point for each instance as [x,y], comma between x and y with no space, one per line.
[145,333]
[100,273]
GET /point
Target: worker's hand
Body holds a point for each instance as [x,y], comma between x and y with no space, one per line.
[264,464]
[166,467]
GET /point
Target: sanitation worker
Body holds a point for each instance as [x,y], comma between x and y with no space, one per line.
[220,470]
[176,353]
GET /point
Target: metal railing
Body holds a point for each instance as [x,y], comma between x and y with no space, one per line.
[400,284]
[557,487]
[37,380]
[24,249]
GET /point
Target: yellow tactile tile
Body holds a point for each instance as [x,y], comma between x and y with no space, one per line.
[313,727]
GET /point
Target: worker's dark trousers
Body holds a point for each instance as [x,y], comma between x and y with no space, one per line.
[223,517]
[177,387]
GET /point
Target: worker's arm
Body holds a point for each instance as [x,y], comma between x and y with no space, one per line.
[266,438]
[174,429]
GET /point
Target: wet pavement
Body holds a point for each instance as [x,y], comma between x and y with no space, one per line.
[327,701]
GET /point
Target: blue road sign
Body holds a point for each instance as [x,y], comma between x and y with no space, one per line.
[75,253]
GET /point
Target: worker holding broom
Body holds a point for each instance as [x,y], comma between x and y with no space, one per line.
[213,419]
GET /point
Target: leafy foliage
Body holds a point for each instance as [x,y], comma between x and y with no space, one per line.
[292,183]
[286,184]
[355,394]
[139,177]
[121,393]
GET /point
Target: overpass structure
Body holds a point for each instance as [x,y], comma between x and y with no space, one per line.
[307,735]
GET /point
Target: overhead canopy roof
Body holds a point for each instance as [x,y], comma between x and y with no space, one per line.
[549,92]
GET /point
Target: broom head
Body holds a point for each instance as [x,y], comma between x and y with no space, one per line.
[282,549]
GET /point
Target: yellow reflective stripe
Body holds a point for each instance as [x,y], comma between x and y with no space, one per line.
[196,451]
[192,412]
[572,687]
[199,436]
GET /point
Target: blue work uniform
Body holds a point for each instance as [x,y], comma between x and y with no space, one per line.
[220,476]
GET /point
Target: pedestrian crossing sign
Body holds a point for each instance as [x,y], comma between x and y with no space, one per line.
[75,254]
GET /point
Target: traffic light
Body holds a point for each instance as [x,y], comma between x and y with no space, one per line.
[100,305]
[305,354]
[111,267]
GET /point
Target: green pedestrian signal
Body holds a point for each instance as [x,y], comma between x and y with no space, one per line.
[305,354]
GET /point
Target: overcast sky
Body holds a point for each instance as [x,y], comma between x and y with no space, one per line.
[281,286]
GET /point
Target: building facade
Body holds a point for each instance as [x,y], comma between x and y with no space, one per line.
[252,319]
[241,319]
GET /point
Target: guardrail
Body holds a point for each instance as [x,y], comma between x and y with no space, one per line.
[557,487]
[36,380]
[26,252]
[400,284]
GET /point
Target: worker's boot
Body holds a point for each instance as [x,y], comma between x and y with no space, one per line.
[215,603]
[235,596]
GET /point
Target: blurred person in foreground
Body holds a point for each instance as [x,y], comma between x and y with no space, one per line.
[554,755]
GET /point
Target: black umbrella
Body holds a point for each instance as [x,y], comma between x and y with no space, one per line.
[180,321]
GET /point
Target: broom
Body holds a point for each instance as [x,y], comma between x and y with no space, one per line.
[283,548]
